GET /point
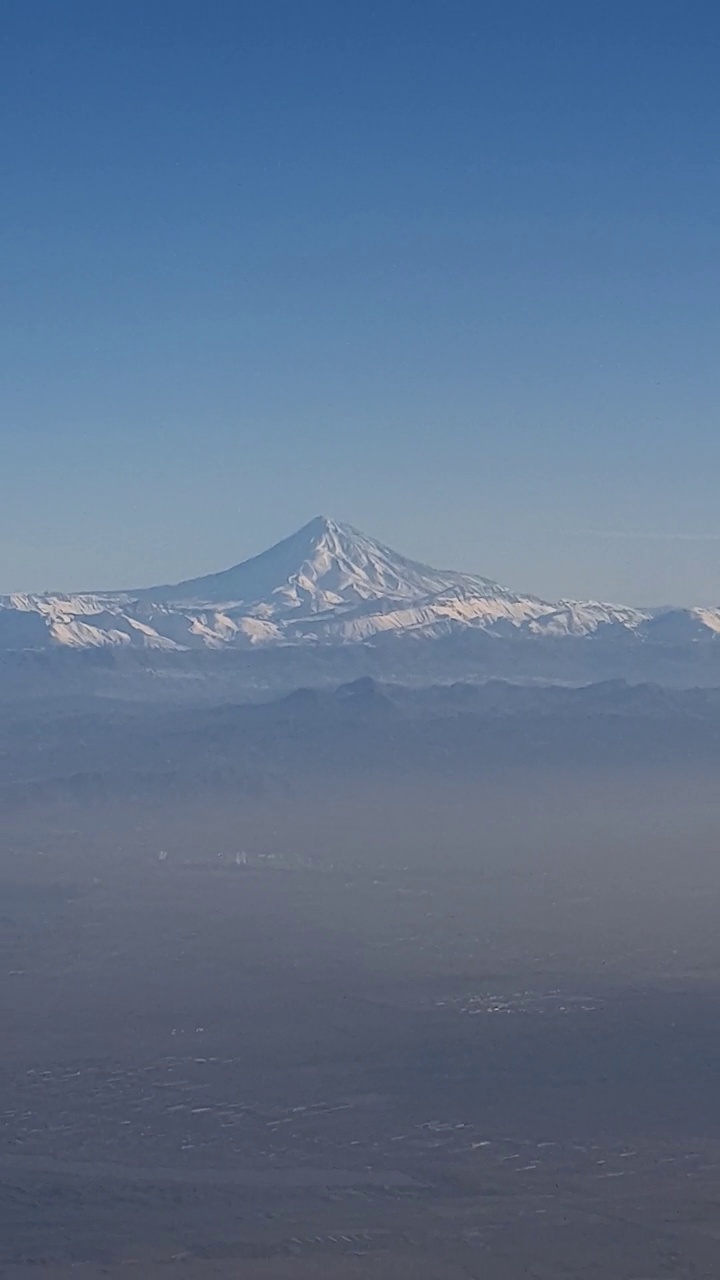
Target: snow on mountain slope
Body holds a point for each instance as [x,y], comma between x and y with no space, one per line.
[329,584]
[74,621]
[680,626]
[322,566]
[589,618]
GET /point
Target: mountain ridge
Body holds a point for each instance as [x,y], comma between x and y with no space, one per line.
[328,583]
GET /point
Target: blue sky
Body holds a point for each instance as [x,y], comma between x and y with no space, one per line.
[447,270]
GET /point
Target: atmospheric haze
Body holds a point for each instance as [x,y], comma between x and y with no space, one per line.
[358,917]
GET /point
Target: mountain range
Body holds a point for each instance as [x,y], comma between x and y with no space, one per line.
[282,748]
[327,584]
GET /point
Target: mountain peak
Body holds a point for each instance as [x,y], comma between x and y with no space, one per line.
[328,583]
[325,529]
[321,524]
[325,565]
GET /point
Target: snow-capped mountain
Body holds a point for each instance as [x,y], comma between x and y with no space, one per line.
[320,567]
[327,583]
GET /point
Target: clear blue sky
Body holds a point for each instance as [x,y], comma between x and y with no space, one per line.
[446,269]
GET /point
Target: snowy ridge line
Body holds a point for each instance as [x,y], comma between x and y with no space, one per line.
[330,584]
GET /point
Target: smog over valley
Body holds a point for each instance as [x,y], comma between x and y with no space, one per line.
[359,872]
[366,977]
